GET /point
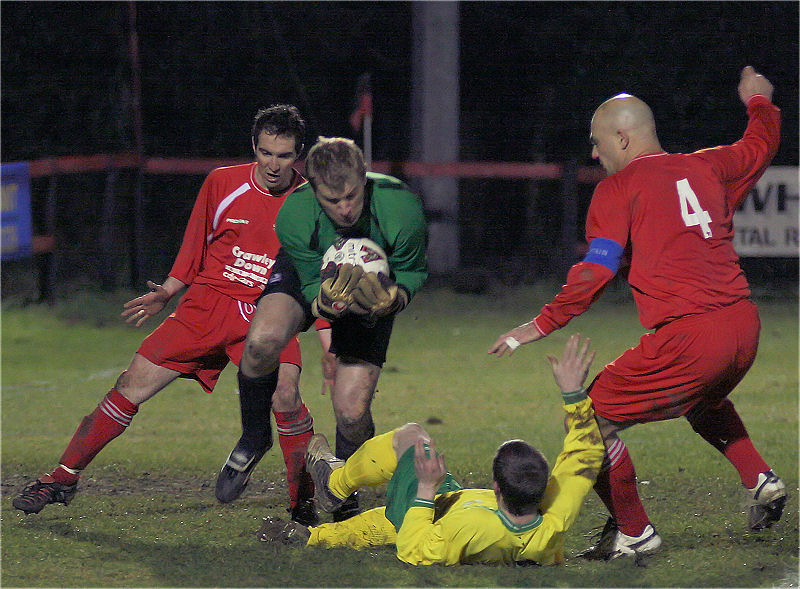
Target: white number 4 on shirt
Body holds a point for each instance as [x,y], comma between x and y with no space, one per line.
[689,202]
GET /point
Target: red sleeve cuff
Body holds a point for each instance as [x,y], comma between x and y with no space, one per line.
[321,324]
[543,326]
[756,98]
[182,277]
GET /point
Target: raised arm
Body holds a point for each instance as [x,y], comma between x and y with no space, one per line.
[571,369]
[580,459]
[741,164]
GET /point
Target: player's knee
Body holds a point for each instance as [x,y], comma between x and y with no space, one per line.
[349,418]
[133,391]
[355,415]
[123,382]
[414,430]
[129,384]
[708,409]
[407,435]
[696,415]
[261,353]
[608,429]
[287,393]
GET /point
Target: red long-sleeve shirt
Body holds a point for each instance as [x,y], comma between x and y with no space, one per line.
[675,212]
[230,242]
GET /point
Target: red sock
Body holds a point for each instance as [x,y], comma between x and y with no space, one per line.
[616,486]
[106,422]
[744,456]
[295,428]
[721,426]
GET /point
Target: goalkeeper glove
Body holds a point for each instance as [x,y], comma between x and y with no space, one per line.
[378,295]
[336,292]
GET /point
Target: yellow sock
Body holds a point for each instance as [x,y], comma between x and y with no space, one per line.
[370,528]
[373,463]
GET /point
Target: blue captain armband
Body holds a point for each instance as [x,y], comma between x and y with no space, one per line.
[605,252]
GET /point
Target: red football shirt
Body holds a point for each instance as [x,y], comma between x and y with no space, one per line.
[230,242]
[675,213]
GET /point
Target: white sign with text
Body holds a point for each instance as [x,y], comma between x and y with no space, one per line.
[766,224]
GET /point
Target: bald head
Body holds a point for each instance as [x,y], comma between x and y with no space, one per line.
[628,113]
[623,128]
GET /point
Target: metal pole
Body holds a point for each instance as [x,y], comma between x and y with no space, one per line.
[368,140]
[137,240]
[106,238]
[569,218]
[136,80]
[434,113]
[48,262]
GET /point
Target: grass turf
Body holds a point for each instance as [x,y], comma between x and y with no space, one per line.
[146,513]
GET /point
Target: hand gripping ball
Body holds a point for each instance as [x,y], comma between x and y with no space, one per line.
[358,251]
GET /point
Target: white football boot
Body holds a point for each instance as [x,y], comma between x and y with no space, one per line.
[613,543]
[766,501]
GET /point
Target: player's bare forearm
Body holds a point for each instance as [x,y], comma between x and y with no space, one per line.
[136,311]
[510,341]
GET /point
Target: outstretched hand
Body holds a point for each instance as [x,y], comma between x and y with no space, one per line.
[522,334]
[139,309]
[571,369]
[752,83]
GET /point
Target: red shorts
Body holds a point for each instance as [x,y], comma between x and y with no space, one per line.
[206,331]
[689,361]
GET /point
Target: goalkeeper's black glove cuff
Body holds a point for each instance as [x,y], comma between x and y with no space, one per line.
[327,313]
[401,301]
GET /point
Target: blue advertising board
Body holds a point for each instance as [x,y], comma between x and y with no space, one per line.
[17,233]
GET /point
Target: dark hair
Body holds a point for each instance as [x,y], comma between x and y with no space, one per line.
[280,119]
[520,472]
[333,161]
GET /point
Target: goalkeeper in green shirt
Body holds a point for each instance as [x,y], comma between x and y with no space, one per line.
[432,520]
[340,200]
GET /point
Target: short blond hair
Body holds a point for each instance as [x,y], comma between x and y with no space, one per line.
[333,161]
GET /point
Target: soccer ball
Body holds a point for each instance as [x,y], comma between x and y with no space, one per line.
[358,251]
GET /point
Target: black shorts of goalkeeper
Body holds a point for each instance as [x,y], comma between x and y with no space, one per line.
[353,337]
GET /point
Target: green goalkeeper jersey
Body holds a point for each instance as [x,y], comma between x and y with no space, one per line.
[392,217]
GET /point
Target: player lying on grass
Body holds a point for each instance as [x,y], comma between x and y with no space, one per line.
[228,250]
[675,214]
[431,519]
